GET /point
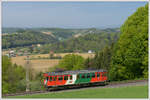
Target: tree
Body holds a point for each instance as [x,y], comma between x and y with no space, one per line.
[12,75]
[101,60]
[131,51]
[72,62]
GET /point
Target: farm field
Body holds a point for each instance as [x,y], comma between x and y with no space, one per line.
[84,55]
[36,65]
[44,64]
[121,92]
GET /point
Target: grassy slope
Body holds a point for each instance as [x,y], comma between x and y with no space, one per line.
[122,92]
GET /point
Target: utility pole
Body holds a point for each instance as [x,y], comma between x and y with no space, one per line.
[27,74]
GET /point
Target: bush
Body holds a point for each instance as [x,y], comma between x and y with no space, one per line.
[36,85]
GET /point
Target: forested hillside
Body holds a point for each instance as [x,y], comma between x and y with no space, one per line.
[60,33]
[11,30]
[66,40]
[26,38]
[92,41]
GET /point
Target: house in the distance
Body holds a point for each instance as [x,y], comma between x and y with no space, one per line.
[89,51]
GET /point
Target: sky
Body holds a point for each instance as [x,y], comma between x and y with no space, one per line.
[67,14]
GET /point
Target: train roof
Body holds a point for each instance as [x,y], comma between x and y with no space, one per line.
[74,72]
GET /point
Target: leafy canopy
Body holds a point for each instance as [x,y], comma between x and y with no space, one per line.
[130,59]
[72,62]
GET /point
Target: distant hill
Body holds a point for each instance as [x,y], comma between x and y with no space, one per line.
[60,33]
[18,37]
[91,41]
[12,30]
[26,38]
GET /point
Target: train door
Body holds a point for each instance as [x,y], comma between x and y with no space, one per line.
[101,76]
[65,77]
[60,80]
[70,79]
[84,78]
[104,76]
[74,78]
[93,77]
[54,80]
[50,81]
[46,81]
[98,76]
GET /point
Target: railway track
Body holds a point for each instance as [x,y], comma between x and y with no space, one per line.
[110,85]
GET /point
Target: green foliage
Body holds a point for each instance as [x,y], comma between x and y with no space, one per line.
[60,40]
[12,76]
[21,85]
[72,62]
[36,85]
[88,63]
[12,30]
[37,82]
[101,60]
[26,38]
[130,59]
[145,66]
[86,42]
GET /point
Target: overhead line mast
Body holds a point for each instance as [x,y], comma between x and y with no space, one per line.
[27,73]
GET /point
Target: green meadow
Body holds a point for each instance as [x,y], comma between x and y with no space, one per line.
[119,92]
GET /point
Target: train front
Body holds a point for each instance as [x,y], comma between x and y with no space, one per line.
[45,75]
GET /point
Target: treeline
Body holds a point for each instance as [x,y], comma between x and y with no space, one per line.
[31,36]
[11,30]
[26,38]
[94,42]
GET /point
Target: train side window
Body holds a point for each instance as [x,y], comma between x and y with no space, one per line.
[78,76]
[54,78]
[98,74]
[88,75]
[93,75]
[83,76]
[50,79]
[71,77]
[65,77]
[60,78]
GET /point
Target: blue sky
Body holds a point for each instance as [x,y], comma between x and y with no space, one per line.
[67,14]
